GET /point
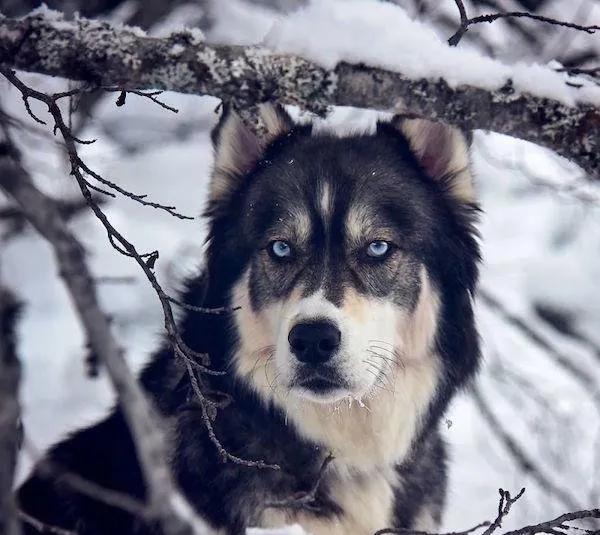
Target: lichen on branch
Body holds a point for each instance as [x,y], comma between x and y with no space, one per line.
[104,55]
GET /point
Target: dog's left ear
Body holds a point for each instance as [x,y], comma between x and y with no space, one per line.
[238,149]
[277,121]
[443,153]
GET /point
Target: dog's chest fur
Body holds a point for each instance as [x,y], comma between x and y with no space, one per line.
[365,504]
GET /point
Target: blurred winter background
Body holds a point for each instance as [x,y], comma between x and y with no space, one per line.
[534,419]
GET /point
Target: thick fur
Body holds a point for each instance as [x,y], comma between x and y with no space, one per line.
[407,338]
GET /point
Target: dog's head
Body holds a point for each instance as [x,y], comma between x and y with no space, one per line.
[344,254]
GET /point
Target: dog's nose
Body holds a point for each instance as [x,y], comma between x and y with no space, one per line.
[315,342]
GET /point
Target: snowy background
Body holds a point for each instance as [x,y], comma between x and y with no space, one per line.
[541,242]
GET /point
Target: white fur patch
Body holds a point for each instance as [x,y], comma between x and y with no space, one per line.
[372,425]
[325,201]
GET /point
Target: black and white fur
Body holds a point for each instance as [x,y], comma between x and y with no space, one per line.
[384,343]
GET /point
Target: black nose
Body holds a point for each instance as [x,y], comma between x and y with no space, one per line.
[315,342]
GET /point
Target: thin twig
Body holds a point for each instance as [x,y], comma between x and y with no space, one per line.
[41,527]
[151,95]
[504,505]
[143,422]
[465,21]
[208,417]
[202,310]
[408,531]
[10,375]
[193,360]
[560,522]
[51,101]
[304,500]
[141,199]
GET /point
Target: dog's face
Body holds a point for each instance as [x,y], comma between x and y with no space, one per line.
[338,242]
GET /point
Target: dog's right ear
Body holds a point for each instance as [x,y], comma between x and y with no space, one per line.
[237,150]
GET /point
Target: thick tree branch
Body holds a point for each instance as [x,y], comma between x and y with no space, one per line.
[166,504]
[105,56]
[10,372]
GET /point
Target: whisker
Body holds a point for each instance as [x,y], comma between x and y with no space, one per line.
[385,380]
[378,355]
[382,342]
[381,375]
[372,365]
[386,349]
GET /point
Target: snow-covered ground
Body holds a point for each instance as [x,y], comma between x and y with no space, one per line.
[541,245]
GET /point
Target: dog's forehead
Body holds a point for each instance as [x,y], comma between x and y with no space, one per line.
[323,178]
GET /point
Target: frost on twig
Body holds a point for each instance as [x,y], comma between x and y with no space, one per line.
[106,56]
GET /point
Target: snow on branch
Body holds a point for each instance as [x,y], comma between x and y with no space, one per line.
[442,83]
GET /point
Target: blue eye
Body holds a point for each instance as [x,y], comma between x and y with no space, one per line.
[378,249]
[281,249]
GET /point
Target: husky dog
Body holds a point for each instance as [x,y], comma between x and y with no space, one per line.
[348,265]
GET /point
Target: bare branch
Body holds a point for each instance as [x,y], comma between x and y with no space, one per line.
[10,373]
[143,422]
[559,523]
[407,531]
[208,410]
[151,95]
[556,526]
[304,500]
[41,527]
[504,505]
[201,310]
[51,101]
[193,360]
[465,21]
[246,76]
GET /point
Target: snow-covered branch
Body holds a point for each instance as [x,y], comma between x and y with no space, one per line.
[566,120]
